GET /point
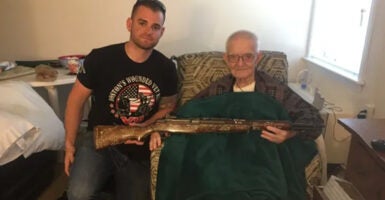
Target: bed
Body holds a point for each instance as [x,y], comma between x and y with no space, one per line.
[30,136]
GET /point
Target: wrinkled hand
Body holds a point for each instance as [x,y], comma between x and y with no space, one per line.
[276,135]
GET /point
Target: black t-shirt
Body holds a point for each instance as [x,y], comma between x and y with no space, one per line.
[124,91]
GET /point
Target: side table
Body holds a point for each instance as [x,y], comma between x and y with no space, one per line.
[51,86]
[366,167]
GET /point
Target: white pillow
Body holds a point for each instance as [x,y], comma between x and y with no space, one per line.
[16,135]
[21,99]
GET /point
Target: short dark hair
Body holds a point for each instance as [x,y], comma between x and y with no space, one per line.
[154,5]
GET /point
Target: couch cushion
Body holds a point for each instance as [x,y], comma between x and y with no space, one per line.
[197,70]
[274,63]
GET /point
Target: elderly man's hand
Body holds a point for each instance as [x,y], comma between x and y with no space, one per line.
[276,135]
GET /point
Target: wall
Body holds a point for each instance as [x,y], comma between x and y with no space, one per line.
[349,95]
[46,29]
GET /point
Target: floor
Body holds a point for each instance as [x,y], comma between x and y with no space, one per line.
[56,190]
[57,187]
[336,170]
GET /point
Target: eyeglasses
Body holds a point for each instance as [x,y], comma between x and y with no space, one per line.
[247,57]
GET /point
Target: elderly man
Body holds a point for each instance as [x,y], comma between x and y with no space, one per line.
[241,57]
[266,164]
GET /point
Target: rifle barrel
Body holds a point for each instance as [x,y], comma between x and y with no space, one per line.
[106,135]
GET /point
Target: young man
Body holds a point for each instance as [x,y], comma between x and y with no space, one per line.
[130,83]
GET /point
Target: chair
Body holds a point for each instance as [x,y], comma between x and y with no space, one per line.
[197,70]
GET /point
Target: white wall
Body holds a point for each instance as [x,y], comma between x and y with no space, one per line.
[352,96]
[46,29]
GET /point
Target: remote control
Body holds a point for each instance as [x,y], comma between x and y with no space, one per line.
[378,144]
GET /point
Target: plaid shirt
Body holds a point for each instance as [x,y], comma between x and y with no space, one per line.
[298,109]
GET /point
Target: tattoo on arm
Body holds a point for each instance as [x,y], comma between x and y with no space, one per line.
[168,102]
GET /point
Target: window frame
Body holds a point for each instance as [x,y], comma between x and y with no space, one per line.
[359,78]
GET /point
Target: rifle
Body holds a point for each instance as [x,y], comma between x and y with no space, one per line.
[109,135]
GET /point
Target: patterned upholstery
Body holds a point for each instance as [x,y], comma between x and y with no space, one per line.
[197,70]
[313,175]
[155,154]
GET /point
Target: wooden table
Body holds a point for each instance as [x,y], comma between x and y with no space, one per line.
[366,167]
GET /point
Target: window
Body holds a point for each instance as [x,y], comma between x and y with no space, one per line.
[338,35]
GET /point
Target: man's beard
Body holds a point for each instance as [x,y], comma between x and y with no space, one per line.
[147,46]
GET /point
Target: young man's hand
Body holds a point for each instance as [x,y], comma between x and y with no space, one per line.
[155,141]
[137,142]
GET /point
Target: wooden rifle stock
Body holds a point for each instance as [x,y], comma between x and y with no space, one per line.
[109,135]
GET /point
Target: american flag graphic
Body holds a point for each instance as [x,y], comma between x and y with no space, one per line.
[134,91]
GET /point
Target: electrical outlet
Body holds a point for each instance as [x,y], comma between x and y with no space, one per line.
[369,110]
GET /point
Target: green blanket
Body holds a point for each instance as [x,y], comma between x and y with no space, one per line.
[221,166]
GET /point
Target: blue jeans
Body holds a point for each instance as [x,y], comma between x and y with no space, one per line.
[93,168]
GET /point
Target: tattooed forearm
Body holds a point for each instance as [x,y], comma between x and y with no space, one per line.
[168,102]
[166,105]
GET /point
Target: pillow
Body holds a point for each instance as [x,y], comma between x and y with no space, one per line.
[22,100]
[16,134]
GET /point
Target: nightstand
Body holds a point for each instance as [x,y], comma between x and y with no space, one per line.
[366,167]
